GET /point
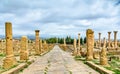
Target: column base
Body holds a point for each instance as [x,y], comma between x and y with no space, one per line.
[89,58]
[24,55]
[9,62]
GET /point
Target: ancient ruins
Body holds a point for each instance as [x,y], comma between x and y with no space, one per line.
[99,54]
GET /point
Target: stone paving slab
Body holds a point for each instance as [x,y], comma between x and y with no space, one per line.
[58,61]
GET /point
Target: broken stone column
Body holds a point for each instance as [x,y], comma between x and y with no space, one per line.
[109,39]
[115,39]
[37,42]
[103,57]
[45,46]
[96,44]
[99,40]
[104,43]
[75,49]
[96,54]
[1,47]
[78,49]
[10,60]
[41,48]
[112,44]
[24,49]
[90,44]
[64,44]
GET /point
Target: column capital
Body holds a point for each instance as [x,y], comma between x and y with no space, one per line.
[109,32]
[99,33]
[115,31]
[8,23]
[37,30]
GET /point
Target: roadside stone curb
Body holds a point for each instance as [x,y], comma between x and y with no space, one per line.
[18,68]
[98,68]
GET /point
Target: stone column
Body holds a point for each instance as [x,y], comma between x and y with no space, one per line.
[96,54]
[99,40]
[40,46]
[96,44]
[104,43]
[64,46]
[10,60]
[37,42]
[109,39]
[75,49]
[78,50]
[24,48]
[90,44]
[78,40]
[1,49]
[45,46]
[103,57]
[64,42]
[115,39]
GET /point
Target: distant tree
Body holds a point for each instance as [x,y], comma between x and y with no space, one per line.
[60,40]
[84,40]
[68,40]
[81,40]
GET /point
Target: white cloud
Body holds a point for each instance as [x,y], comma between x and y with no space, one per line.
[60,18]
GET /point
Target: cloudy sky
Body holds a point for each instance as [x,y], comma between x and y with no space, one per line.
[60,17]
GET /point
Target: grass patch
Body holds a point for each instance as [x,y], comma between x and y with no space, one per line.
[70,72]
[96,61]
[114,66]
[2,55]
[77,57]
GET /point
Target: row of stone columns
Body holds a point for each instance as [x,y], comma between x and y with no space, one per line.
[90,47]
[109,39]
[10,59]
[77,50]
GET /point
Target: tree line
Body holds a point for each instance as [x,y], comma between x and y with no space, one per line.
[68,39]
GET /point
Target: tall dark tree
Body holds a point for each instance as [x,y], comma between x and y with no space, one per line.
[81,40]
[84,40]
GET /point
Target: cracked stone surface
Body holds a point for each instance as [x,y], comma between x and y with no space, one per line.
[58,61]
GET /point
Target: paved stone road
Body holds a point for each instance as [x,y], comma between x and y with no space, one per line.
[58,61]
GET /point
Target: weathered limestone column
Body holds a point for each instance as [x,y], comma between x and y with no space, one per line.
[45,46]
[99,40]
[78,50]
[78,40]
[10,60]
[115,39]
[90,44]
[104,43]
[1,47]
[40,46]
[96,54]
[113,46]
[24,48]
[96,44]
[64,44]
[103,57]
[109,39]
[75,49]
[37,42]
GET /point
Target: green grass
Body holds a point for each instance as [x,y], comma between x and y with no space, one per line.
[2,55]
[114,66]
[77,57]
[70,72]
[95,61]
